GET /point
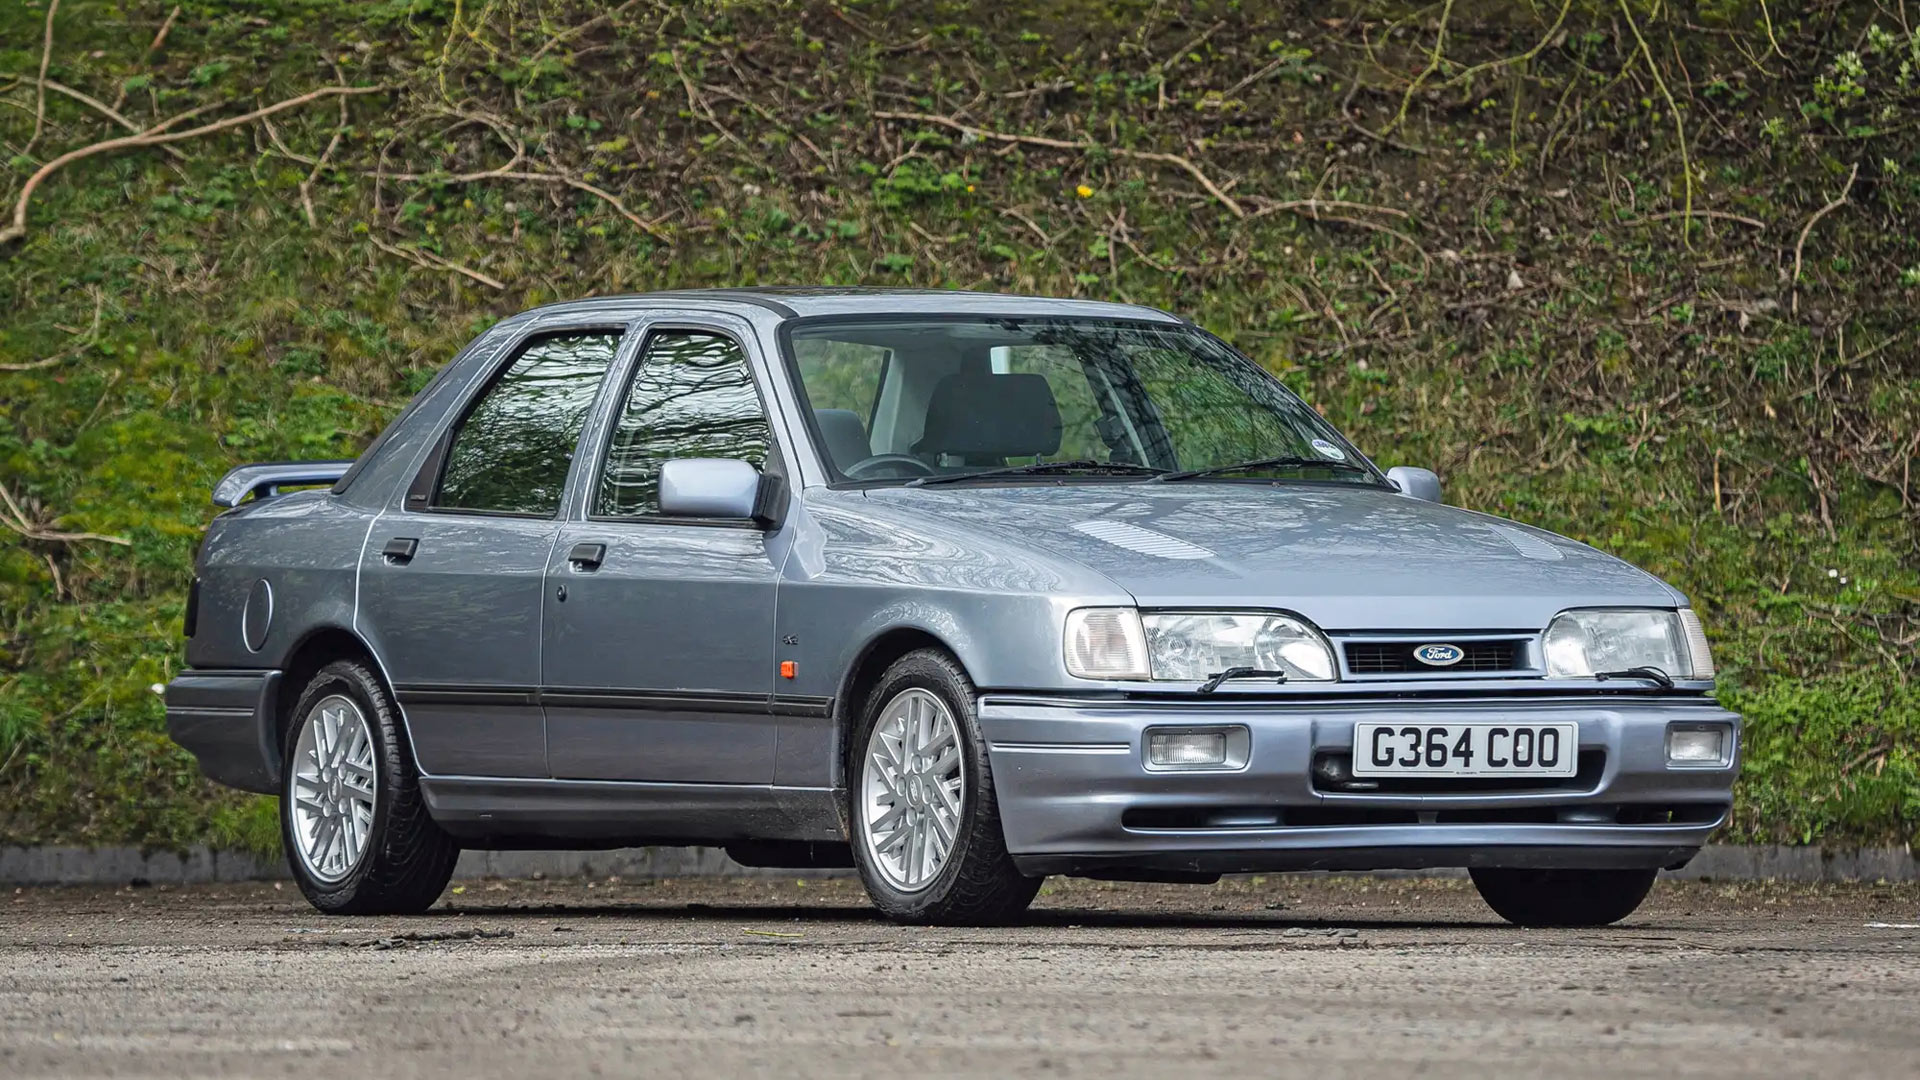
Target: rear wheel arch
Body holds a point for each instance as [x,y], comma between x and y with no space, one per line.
[318,648]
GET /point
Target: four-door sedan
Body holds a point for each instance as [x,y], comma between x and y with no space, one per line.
[960,589]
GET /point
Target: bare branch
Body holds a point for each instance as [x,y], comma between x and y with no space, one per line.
[428,260]
[157,136]
[1800,245]
[19,523]
[1061,144]
[40,99]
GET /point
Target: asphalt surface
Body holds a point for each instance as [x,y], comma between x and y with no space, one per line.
[1307,976]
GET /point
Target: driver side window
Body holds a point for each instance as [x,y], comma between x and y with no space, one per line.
[692,396]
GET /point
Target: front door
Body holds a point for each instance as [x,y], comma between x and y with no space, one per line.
[450,585]
[657,656]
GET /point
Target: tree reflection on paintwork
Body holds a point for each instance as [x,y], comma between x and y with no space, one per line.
[692,396]
[511,453]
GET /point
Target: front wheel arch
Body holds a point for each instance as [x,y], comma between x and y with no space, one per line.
[874,658]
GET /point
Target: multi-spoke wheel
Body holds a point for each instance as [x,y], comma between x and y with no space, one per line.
[914,784]
[333,788]
[357,833]
[929,844]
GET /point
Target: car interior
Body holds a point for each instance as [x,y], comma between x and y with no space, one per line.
[903,402]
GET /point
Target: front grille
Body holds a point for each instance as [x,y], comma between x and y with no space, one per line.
[1397,657]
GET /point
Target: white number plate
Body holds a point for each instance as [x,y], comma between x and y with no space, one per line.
[1466,749]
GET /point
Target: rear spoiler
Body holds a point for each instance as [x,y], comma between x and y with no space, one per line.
[268,477]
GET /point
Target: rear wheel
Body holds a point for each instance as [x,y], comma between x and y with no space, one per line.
[1563,897]
[927,837]
[352,818]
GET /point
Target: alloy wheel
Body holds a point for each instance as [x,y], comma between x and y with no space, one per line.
[911,791]
[333,788]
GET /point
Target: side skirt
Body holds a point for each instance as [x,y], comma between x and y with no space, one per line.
[507,814]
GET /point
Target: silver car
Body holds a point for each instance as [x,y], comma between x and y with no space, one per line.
[961,590]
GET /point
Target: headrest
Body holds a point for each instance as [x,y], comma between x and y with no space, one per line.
[986,415]
[844,436]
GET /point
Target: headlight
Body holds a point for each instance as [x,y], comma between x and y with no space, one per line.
[1120,643]
[1580,643]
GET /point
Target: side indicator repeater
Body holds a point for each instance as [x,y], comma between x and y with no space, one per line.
[788,669]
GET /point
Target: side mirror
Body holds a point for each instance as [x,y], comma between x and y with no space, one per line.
[717,488]
[1416,483]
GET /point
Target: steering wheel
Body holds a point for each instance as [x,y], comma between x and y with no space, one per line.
[865,468]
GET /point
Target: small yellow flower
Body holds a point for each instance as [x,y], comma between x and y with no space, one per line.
[969,189]
[1083,191]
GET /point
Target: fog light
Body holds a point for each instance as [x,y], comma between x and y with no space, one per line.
[1187,749]
[1697,746]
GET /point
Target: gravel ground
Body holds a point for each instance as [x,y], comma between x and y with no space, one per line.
[1310,976]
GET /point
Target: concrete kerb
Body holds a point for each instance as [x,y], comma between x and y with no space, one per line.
[22,866]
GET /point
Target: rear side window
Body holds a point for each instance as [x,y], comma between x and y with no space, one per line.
[510,454]
[692,396]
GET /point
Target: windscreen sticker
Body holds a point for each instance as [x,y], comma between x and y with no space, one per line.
[1328,450]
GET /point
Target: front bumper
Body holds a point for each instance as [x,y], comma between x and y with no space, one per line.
[1075,794]
[226,719]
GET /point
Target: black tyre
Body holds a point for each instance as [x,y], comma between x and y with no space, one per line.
[926,826]
[352,818]
[1563,897]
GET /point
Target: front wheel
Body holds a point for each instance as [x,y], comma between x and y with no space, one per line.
[1563,897]
[352,817]
[927,837]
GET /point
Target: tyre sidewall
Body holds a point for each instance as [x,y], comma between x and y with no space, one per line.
[921,671]
[352,681]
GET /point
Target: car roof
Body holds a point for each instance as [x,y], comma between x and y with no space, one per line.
[798,302]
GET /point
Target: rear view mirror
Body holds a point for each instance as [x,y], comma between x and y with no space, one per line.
[715,488]
[1415,483]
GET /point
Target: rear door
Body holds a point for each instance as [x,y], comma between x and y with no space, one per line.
[657,656]
[450,583]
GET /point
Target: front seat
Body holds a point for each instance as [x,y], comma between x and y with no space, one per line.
[982,419]
[844,436]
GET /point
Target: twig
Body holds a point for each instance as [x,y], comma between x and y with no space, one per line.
[1721,214]
[1314,205]
[1800,245]
[429,261]
[1061,144]
[91,335]
[1045,240]
[19,523]
[1433,65]
[306,186]
[1686,160]
[160,38]
[100,107]
[651,228]
[1492,65]
[40,98]
[605,16]
[156,136]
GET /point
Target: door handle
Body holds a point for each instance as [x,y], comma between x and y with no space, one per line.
[400,549]
[587,556]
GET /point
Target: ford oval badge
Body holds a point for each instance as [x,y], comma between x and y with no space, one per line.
[1439,655]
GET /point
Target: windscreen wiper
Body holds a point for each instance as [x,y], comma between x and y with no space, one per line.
[1041,468]
[1651,674]
[1288,462]
[1213,681]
